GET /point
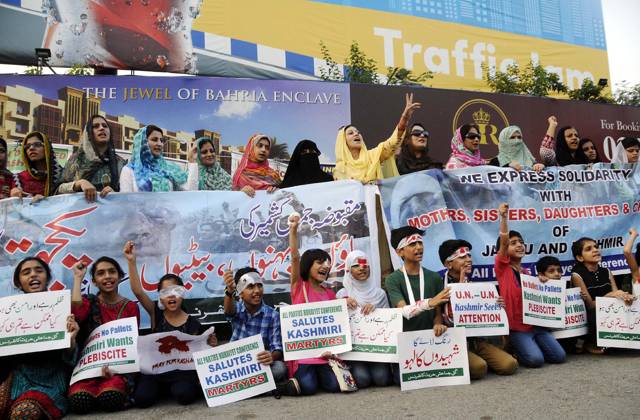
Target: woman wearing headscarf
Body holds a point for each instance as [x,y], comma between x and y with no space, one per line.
[254,173]
[355,161]
[95,167]
[587,152]
[513,152]
[626,151]
[414,153]
[304,166]
[465,148]
[43,172]
[147,169]
[7,178]
[206,174]
[363,295]
[560,150]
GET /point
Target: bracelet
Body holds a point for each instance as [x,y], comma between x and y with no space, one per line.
[226,292]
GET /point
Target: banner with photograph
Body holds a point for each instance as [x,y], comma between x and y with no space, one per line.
[32,322]
[551,209]
[195,235]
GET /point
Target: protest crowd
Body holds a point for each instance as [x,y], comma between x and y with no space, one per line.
[36,385]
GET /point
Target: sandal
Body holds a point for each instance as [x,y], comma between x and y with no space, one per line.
[595,349]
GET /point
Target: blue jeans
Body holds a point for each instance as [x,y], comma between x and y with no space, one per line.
[312,377]
[535,347]
[368,373]
[279,371]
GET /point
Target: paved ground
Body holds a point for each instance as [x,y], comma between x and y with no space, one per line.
[585,387]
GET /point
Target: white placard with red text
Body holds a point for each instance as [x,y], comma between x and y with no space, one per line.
[167,351]
[475,307]
[113,344]
[618,324]
[575,316]
[374,337]
[542,303]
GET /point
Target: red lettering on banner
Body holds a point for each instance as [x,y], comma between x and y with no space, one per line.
[61,243]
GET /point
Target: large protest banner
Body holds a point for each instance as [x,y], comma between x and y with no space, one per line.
[113,345]
[191,234]
[543,303]
[310,329]
[427,360]
[575,318]
[475,307]
[33,322]
[231,372]
[551,209]
[167,351]
[374,337]
[617,324]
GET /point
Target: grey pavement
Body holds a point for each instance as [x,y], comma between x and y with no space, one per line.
[585,387]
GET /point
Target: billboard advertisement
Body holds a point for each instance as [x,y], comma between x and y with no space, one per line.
[451,38]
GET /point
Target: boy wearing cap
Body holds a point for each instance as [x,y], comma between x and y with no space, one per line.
[417,291]
[455,255]
[250,316]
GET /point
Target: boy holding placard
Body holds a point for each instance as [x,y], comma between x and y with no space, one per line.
[455,255]
[414,289]
[533,345]
[251,316]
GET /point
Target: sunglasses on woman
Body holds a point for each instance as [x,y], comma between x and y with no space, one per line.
[420,133]
[472,136]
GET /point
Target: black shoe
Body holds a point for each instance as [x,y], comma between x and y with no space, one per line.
[290,388]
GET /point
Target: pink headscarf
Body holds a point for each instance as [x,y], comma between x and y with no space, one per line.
[463,154]
[258,176]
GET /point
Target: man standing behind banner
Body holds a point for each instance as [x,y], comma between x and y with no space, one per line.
[251,316]
[417,291]
[455,255]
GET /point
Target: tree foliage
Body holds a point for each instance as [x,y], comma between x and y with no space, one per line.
[361,69]
[591,92]
[532,79]
[628,95]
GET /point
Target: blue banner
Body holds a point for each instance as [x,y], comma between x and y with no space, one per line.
[551,209]
[195,235]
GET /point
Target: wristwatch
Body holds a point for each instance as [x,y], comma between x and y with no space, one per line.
[226,292]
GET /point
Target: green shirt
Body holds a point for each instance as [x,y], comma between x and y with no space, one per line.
[397,291]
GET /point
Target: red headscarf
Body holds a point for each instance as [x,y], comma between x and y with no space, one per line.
[258,176]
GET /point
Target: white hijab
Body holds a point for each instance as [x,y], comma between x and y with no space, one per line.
[362,291]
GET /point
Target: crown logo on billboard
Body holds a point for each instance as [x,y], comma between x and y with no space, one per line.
[481,117]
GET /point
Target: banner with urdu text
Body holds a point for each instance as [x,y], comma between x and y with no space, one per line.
[551,209]
[196,235]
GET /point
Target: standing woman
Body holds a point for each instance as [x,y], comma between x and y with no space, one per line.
[414,153]
[110,392]
[36,382]
[587,152]
[147,169]
[465,148]
[363,295]
[206,174]
[304,166]
[513,152]
[561,150]
[95,168]
[43,172]
[355,161]
[254,173]
[7,178]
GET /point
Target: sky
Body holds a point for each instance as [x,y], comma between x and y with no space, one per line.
[622,33]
